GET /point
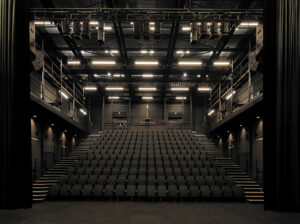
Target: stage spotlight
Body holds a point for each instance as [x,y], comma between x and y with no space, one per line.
[204,30]
[86,33]
[157,30]
[214,33]
[101,33]
[224,29]
[65,28]
[194,34]
[76,28]
[146,30]
[137,29]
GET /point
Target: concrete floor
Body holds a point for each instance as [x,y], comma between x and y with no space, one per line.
[74,212]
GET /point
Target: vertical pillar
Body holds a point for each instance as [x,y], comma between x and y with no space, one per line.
[15,148]
[102,113]
[129,112]
[165,111]
[191,113]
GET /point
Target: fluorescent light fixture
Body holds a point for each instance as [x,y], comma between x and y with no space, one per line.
[107,28]
[147,75]
[179,52]
[93,22]
[211,112]
[114,51]
[147,97]
[113,97]
[221,63]
[184,74]
[189,63]
[118,75]
[151,51]
[131,23]
[187,52]
[114,88]
[90,88]
[146,62]
[144,51]
[151,23]
[64,95]
[180,89]
[204,89]
[35,116]
[198,76]
[249,23]
[147,88]
[180,98]
[152,28]
[230,95]
[73,62]
[42,23]
[186,28]
[103,62]
[83,111]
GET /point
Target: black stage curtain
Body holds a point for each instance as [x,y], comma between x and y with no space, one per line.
[15,148]
[282,105]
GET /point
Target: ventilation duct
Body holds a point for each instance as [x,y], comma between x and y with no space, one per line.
[157,30]
[86,33]
[101,33]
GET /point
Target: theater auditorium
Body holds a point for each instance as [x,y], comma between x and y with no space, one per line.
[150,111]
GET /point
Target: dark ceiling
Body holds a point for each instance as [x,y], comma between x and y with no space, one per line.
[166,49]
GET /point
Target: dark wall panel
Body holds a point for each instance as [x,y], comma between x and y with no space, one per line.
[95,113]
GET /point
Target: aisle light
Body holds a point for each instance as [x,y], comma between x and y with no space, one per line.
[146,62]
[204,89]
[73,62]
[221,63]
[180,98]
[180,89]
[103,62]
[112,88]
[83,111]
[147,88]
[230,95]
[147,97]
[189,63]
[211,112]
[64,95]
[90,88]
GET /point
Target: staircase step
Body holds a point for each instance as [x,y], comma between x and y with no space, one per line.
[256,200]
[254,196]
[253,188]
[245,182]
[41,188]
[38,200]
[40,192]
[46,181]
[253,192]
[247,185]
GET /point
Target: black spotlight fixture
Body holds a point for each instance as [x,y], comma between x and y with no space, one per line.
[101,33]
[194,34]
[76,30]
[224,29]
[157,30]
[146,30]
[65,27]
[86,33]
[214,33]
[137,29]
[204,30]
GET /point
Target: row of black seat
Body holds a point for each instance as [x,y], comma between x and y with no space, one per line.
[147,191]
[143,179]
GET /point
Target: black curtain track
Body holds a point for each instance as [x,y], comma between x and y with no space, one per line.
[15,149]
[282,105]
